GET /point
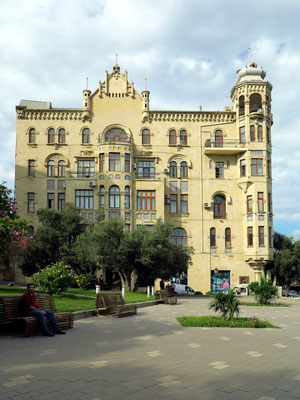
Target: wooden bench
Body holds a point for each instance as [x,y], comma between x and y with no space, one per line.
[113,304]
[163,297]
[13,321]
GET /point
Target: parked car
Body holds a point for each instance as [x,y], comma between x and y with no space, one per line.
[241,290]
[292,293]
[183,289]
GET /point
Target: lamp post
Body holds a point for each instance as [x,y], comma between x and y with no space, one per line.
[216,271]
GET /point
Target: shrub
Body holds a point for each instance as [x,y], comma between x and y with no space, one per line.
[264,291]
[226,304]
[253,287]
[86,281]
[54,278]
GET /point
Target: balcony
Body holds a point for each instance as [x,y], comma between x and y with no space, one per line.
[229,146]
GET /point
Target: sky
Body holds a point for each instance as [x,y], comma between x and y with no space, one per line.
[189,51]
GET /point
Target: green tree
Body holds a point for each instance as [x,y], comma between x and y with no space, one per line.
[264,290]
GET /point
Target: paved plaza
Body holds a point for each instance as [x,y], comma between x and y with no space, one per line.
[150,356]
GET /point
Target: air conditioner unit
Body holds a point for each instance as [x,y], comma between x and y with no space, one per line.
[64,185]
[134,165]
[92,183]
[166,170]
[207,205]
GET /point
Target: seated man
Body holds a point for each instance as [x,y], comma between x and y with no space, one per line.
[31,308]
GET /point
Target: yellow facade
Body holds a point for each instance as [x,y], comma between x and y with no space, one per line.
[207,171]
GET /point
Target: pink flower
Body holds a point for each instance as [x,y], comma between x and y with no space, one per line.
[7,216]
[15,233]
[14,207]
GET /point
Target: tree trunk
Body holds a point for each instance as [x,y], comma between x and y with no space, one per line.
[287,288]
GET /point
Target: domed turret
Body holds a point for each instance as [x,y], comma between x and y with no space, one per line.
[250,73]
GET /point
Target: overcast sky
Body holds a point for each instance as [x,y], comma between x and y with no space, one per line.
[189,51]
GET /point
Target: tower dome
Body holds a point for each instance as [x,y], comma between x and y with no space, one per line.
[250,73]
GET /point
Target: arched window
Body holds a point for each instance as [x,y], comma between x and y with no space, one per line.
[114,197]
[255,102]
[212,237]
[127,197]
[219,207]
[227,237]
[61,136]
[173,169]
[241,106]
[183,169]
[179,236]
[61,168]
[219,138]
[183,137]
[116,135]
[102,196]
[51,136]
[145,136]
[85,136]
[32,135]
[260,133]
[172,137]
[50,168]
[252,133]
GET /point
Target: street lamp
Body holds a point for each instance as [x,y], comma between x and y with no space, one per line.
[216,271]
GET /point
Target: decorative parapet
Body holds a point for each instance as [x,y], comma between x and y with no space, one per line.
[52,114]
[193,116]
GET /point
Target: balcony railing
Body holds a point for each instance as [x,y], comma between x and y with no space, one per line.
[228,146]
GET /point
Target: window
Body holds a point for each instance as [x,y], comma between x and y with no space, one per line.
[61,201]
[256,166]
[85,136]
[114,197]
[50,184]
[60,185]
[260,133]
[243,167]
[219,170]
[179,236]
[184,203]
[173,169]
[212,237]
[219,138]
[32,135]
[84,199]
[241,106]
[261,241]
[255,103]
[173,203]
[183,169]
[146,199]
[172,137]
[101,162]
[102,197]
[252,133]
[127,162]
[270,236]
[146,169]
[269,202]
[268,134]
[242,134]
[61,168]
[127,197]
[116,135]
[114,162]
[61,136]
[85,168]
[51,136]
[219,207]
[250,235]
[50,168]
[145,136]
[183,137]
[227,237]
[249,204]
[31,168]
[260,202]
[50,200]
[268,169]
[30,201]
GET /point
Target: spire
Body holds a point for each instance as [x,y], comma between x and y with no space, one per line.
[116,67]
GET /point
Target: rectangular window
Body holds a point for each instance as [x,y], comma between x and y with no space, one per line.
[146,169]
[249,204]
[219,170]
[173,203]
[184,203]
[260,133]
[268,169]
[30,201]
[50,184]
[261,235]
[242,134]
[31,168]
[127,162]
[61,184]
[252,133]
[85,168]
[268,134]
[101,162]
[260,202]
[256,166]
[50,200]
[270,236]
[269,202]
[114,162]
[243,167]
[250,235]
[84,199]
[146,199]
[61,201]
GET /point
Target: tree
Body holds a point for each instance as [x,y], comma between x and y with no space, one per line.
[264,290]
[226,304]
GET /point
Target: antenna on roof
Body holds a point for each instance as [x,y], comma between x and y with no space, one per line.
[200,107]
[249,56]
[87,83]
[145,83]
[117,59]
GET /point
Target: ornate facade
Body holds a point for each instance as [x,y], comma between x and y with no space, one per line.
[207,171]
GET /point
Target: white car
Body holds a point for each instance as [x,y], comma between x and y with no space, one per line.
[241,290]
[183,289]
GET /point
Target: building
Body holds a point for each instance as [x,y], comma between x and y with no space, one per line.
[208,171]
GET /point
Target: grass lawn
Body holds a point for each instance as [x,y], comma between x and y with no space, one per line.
[218,322]
[253,304]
